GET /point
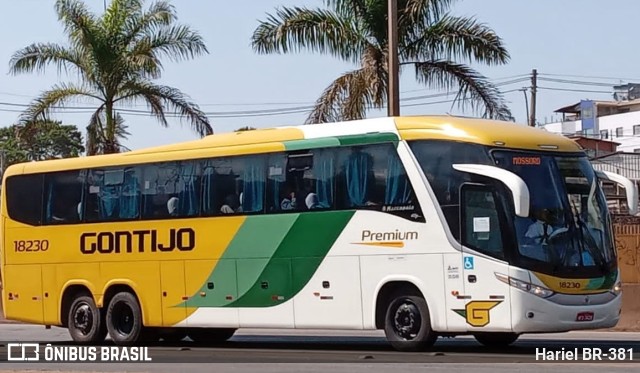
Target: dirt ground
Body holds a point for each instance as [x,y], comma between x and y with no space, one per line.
[629,321]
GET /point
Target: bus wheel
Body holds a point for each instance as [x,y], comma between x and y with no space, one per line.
[496,339]
[85,321]
[407,324]
[124,319]
[211,335]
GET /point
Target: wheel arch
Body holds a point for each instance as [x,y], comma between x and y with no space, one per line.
[391,285]
[116,286]
[69,292]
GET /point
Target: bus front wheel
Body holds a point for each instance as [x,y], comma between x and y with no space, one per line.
[85,322]
[407,324]
[496,339]
[124,319]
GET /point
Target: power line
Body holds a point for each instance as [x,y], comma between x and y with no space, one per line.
[573,90]
[591,77]
[577,82]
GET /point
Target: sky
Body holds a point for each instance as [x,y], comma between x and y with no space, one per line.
[578,40]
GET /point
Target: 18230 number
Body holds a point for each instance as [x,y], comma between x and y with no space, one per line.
[21,246]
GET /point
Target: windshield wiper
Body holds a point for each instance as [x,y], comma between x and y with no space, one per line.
[582,226]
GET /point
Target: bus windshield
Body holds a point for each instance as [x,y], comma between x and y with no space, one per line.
[568,224]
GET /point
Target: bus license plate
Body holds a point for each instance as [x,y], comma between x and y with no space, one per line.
[584,316]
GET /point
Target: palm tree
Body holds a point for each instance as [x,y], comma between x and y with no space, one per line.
[433,42]
[116,57]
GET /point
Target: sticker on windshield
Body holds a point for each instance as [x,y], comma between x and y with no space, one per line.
[481,225]
[527,161]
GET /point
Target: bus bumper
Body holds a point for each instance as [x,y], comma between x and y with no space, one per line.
[531,314]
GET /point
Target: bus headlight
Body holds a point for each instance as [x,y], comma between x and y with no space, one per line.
[617,289]
[525,286]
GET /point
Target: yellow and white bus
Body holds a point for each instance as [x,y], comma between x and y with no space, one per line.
[421,226]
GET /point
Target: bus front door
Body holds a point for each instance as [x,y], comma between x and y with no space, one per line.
[487,301]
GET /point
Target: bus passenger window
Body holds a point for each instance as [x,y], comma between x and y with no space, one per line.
[26,204]
[62,194]
[171,189]
[112,194]
[232,185]
[357,178]
[319,181]
[373,177]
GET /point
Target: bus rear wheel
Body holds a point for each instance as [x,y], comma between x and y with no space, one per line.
[211,335]
[85,322]
[124,319]
[496,339]
[407,324]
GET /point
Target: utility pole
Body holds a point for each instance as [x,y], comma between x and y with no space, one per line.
[393,93]
[534,90]
[526,101]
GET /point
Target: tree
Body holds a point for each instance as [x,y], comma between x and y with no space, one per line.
[116,57]
[38,141]
[433,42]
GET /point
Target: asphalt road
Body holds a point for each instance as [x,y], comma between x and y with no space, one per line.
[319,351]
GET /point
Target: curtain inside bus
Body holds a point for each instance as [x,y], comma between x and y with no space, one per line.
[358,172]
[188,197]
[398,190]
[253,185]
[129,195]
[323,166]
[208,190]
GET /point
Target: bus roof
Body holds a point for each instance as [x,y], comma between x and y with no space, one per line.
[480,131]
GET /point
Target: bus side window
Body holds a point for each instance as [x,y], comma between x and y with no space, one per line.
[233,185]
[318,182]
[251,182]
[155,179]
[26,204]
[62,196]
[356,178]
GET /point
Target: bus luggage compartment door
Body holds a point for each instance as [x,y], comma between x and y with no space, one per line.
[23,292]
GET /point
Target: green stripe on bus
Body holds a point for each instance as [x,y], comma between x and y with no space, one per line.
[325,142]
[248,254]
[370,138]
[296,259]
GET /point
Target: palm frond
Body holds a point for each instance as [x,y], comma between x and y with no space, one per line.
[98,141]
[459,39]
[346,98]
[36,57]
[79,23]
[159,14]
[161,99]
[95,133]
[473,89]
[419,13]
[176,43]
[295,29]
[118,13]
[58,96]
[348,7]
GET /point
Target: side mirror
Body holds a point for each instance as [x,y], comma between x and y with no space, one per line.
[629,186]
[516,185]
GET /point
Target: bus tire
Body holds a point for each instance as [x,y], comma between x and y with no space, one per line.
[124,319]
[211,335]
[85,322]
[496,339]
[408,324]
